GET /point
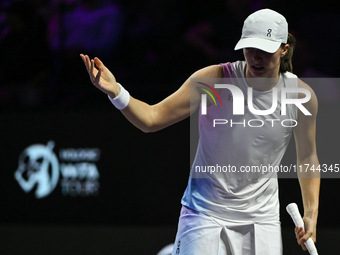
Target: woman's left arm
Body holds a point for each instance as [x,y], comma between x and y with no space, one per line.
[309,180]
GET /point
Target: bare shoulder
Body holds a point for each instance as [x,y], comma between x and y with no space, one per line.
[213,71]
[312,104]
[303,85]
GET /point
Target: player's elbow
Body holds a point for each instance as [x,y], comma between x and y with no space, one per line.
[146,130]
[149,128]
[153,122]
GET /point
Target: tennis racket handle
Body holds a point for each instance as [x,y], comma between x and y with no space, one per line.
[293,211]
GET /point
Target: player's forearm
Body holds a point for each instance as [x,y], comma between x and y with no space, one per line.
[310,195]
[309,181]
[140,114]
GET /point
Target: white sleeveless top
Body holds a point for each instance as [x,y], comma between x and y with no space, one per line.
[243,197]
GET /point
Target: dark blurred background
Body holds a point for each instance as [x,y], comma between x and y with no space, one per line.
[127,199]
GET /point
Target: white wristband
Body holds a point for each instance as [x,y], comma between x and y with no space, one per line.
[122,99]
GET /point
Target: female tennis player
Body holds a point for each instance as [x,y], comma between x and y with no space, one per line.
[236,212]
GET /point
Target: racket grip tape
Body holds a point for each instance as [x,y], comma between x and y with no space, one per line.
[293,211]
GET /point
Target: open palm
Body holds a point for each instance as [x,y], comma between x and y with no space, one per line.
[102,78]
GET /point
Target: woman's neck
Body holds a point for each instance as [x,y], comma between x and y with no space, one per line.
[261,83]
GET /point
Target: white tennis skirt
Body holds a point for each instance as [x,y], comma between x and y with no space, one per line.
[200,234]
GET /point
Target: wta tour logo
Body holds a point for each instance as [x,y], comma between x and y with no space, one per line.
[77,173]
[38,165]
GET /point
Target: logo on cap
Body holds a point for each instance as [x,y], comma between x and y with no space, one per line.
[269,32]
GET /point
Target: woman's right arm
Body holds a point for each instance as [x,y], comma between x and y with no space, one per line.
[151,118]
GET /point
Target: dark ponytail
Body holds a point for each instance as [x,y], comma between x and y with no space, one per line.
[286,60]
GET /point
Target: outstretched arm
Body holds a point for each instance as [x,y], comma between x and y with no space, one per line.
[304,134]
[150,118]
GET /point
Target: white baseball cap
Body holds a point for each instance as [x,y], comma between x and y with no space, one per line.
[265,30]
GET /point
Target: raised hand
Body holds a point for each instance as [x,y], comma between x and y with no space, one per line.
[101,78]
